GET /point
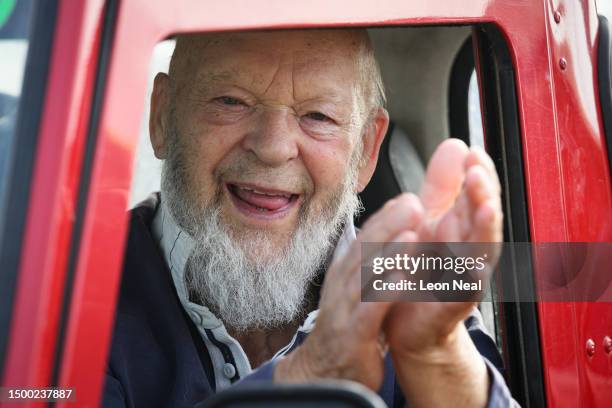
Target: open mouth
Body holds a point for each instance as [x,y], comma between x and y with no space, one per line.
[260,201]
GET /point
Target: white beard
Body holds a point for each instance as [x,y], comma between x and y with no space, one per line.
[246,287]
[249,282]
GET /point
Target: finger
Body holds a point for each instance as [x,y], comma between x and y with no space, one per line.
[488,222]
[449,228]
[479,186]
[407,237]
[444,176]
[478,156]
[463,210]
[396,245]
[365,284]
[405,214]
[404,243]
[401,213]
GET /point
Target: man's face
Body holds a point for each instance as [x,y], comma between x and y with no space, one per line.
[269,125]
[262,135]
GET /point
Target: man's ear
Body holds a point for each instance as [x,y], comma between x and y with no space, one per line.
[373,137]
[158,119]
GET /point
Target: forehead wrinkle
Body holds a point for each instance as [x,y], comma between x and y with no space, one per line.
[208,78]
[316,72]
[276,73]
[197,49]
[187,53]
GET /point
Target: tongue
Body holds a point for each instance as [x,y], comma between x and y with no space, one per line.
[271,203]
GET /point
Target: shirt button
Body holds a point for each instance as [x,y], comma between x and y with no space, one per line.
[229,371]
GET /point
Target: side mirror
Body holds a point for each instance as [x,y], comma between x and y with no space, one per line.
[330,394]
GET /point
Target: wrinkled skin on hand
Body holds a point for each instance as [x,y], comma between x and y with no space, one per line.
[459,202]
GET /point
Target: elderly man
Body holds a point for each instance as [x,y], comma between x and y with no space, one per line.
[267,138]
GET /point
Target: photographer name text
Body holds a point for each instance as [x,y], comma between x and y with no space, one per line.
[421,285]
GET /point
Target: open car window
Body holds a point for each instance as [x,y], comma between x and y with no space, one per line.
[430,98]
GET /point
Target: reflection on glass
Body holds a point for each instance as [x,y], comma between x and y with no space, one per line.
[14,31]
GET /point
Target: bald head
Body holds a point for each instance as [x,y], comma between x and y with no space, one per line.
[341,46]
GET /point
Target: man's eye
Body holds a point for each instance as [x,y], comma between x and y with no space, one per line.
[318,116]
[228,100]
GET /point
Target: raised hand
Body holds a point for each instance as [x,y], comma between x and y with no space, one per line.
[434,357]
[346,341]
[459,202]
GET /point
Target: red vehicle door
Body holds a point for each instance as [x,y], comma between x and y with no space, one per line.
[64,222]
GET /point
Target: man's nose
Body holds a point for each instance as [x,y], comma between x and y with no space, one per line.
[274,138]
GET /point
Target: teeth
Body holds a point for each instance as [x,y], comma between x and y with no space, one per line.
[263,193]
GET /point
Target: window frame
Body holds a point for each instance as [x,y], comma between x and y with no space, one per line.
[503,140]
[20,160]
[41,251]
[142,23]
[516,324]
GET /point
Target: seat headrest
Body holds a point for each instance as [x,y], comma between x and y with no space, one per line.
[399,169]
